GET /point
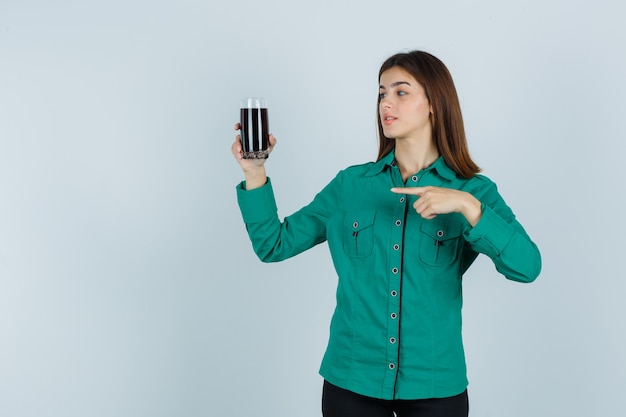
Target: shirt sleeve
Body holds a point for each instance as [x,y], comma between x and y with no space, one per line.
[274,240]
[503,239]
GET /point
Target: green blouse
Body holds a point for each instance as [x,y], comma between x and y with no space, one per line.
[396,329]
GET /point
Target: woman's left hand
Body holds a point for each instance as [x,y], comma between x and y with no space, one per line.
[437,200]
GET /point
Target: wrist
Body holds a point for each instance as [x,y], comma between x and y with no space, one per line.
[472,210]
[255,178]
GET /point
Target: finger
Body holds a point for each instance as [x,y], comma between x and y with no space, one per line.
[237,126]
[273,140]
[424,210]
[272,143]
[420,206]
[237,143]
[236,148]
[409,190]
[424,207]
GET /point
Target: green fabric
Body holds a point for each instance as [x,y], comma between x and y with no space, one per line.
[396,329]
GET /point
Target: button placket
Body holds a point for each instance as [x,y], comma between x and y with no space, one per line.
[395,271]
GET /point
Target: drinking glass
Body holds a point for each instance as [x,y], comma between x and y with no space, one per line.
[254,128]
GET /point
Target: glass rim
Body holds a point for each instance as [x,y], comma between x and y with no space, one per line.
[253,102]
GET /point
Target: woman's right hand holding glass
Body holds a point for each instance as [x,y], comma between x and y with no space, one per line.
[254,169]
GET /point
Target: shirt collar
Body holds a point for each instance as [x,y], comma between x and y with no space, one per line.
[386,161]
[389,160]
[443,169]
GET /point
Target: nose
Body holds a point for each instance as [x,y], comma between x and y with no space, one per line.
[385,103]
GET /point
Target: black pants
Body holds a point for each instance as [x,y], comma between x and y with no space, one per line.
[338,402]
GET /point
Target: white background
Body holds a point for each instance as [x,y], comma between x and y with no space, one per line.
[128,286]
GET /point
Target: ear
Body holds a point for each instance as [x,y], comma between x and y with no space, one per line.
[431,109]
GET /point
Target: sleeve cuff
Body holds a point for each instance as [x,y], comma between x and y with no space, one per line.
[491,230]
[256,205]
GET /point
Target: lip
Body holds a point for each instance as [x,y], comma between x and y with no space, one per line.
[388,119]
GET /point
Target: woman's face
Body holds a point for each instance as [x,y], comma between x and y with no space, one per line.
[404,108]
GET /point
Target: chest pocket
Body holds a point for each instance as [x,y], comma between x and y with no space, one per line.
[440,242]
[358,233]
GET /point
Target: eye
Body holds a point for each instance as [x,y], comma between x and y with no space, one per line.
[402,93]
[382,95]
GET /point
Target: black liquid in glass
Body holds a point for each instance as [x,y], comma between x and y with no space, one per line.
[254,133]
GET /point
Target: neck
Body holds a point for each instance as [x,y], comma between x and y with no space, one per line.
[412,157]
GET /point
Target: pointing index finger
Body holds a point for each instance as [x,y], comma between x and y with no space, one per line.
[408,190]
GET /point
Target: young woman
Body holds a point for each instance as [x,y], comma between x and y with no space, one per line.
[401,232]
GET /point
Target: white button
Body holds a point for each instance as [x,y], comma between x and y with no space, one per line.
[398,222]
[355,224]
[392,366]
[440,233]
[396,247]
[402,199]
[394,293]
[392,340]
[394,270]
[394,316]
[414,178]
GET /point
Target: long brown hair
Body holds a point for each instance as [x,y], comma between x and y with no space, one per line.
[447,121]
